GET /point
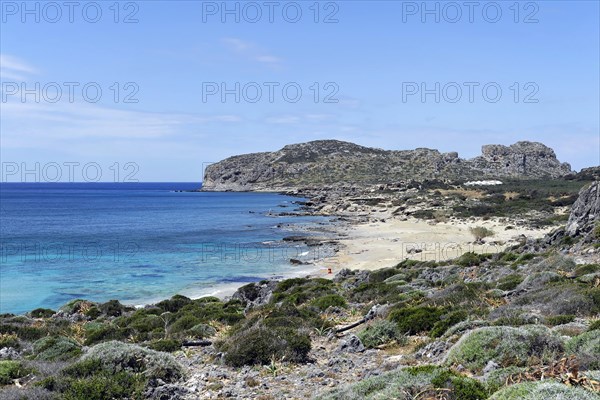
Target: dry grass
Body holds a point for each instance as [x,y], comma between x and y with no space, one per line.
[511,195]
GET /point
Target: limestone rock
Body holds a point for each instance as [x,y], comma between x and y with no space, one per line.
[585,213]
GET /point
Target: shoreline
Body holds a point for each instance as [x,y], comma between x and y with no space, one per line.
[367,241]
[360,244]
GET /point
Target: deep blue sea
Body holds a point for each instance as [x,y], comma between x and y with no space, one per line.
[136,242]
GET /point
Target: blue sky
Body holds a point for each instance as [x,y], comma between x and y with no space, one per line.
[367,63]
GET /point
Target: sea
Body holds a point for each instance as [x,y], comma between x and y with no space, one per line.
[141,242]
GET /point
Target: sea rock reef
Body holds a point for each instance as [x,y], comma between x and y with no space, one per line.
[333,162]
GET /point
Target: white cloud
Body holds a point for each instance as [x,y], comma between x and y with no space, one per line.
[252,52]
[283,119]
[14,68]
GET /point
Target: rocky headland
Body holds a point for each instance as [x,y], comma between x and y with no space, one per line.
[333,162]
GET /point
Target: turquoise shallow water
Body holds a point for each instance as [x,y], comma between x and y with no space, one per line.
[136,242]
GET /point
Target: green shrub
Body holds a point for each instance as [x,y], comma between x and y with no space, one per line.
[329,300]
[586,269]
[259,344]
[201,331]
[424,382]
[183,323]
[481,232]
[99,332]
[42,313]
[508,257]
[206,311]
[113,357]
[24,332]
[381,332]
[524,258]
[113,308]
[10,370]
[505,345]
[77,305]
[587,349]
[447,321]
[509,282]
[555,320]
[142,322]
[56,348]
[385,292]
[542,391]
[174,304]
[121,385]
[381,275]
[594,325]
[497,379]
[93,312]
[299,291]
[414,320]
[462,295]
[471,259]
[9,340]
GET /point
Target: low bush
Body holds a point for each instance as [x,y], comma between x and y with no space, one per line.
[381,332]
[113,357]
[555,320]
[98,332]
[299,291]
[471,259]
[259,344]
[10,370]
[201,331]
[426,382]
[56,348]
[586,269]
[185,322]
[586,347]
[77,306]
[382,274]
[113,308]
[594,325]
[9,340]
[414,320]
[542,391]
[121,385]
[23,332]
[508,346]
[391,292]
[507,257]
[329,300]
[509,282]
[42,313]
[447,321]
[498,378]
[174,304]
[481,232]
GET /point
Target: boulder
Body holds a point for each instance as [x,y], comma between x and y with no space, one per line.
[585,213]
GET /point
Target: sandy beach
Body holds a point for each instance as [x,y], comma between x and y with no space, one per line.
[381,244]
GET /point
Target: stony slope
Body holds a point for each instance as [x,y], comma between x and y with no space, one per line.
[325,162]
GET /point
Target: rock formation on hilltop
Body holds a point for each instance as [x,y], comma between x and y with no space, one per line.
[325,162]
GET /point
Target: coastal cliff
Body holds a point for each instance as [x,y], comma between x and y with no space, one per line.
[326,162]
